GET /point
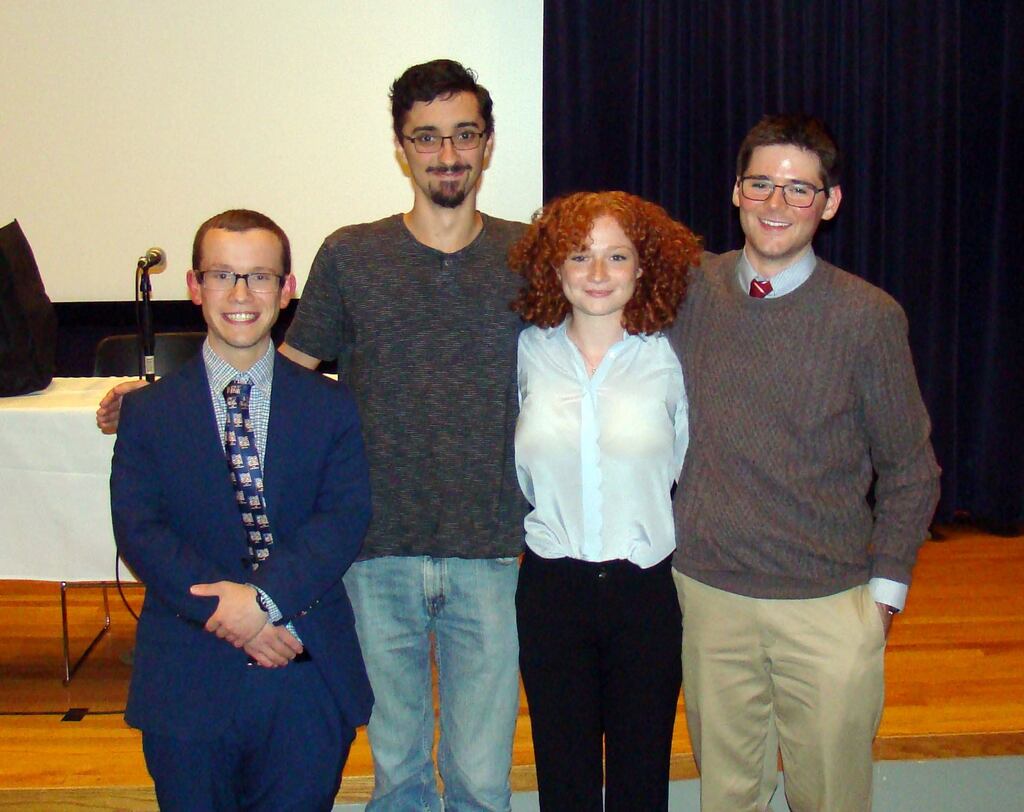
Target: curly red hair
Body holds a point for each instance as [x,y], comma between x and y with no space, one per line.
[665,251]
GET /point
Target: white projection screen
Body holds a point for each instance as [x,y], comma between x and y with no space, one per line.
[126,123]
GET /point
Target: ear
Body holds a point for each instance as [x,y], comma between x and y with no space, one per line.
[488,148]
[195,290]
[287,290]
[835,197]
[402,158]
[736,192]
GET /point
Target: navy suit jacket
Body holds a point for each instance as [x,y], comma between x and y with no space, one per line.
[176,524]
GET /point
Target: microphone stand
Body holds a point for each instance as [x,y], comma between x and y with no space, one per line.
[146,323]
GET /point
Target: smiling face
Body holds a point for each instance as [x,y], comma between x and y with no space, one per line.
[449,177]
[777,234]
[600,278]
[238,321]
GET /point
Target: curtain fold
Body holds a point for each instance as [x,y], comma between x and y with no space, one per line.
[925,100]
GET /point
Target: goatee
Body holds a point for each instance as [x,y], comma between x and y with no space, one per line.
[448,200]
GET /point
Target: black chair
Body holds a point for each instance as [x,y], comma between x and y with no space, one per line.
[122,354]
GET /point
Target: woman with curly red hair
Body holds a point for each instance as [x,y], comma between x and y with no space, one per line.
[600,441]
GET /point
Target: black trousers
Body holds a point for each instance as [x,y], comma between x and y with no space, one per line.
[600,655]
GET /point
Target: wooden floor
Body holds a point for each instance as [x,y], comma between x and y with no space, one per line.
[954,685]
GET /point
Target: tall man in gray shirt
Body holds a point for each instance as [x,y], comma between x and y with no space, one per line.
[802,391]
[415,308]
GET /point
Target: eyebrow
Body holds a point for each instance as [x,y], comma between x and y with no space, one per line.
[787,180]
[588,248]
[460,126]
[231,269]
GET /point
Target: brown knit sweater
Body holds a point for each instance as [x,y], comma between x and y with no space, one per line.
[795,403]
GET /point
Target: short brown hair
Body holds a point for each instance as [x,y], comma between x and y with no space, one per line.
[242,220]
[441,78]
[665,249]
[800,130]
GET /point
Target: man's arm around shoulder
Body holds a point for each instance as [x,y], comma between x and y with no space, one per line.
[108,413]
[298,356]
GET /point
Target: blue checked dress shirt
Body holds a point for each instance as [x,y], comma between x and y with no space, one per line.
[219,373]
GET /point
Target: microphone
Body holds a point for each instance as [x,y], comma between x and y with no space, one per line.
[152,258]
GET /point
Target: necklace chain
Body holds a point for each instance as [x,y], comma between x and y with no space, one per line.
[588,360]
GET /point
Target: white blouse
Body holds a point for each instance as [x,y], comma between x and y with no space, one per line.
[596,457]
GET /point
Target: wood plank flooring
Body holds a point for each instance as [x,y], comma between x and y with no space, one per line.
[954,684]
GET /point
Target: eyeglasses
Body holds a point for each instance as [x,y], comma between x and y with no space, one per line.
[795,193]
[463,141]
[257,281]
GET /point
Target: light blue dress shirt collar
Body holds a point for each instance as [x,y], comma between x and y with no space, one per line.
[785,281]
[220,373]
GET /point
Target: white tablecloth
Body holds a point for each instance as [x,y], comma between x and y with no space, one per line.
[55,485]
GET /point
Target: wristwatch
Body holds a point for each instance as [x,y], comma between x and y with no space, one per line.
[261,601]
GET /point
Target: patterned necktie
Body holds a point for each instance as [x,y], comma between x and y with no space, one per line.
[760,289]
[246,472]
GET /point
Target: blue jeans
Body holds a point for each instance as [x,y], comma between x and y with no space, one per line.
[468,605]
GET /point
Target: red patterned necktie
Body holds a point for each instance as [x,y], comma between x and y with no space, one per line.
[760,289]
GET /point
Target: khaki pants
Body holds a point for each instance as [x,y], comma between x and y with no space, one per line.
[810,671]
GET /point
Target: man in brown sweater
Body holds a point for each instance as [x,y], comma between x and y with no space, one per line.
[802,393]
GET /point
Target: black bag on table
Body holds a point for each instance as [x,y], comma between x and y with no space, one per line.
[28,324]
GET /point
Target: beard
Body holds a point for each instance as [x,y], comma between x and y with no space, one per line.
[448,200]
[447,194]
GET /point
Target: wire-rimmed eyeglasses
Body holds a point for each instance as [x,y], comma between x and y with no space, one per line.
[463,140]
[257,281]
[796,193]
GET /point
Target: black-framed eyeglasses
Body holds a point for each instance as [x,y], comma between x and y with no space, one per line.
[463,141]
[257,281]
[796,193]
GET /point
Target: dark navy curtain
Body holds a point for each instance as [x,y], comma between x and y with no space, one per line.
[925,99]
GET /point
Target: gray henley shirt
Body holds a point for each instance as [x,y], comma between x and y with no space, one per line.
[427,342]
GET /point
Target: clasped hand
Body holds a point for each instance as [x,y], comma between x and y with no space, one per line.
[240,621]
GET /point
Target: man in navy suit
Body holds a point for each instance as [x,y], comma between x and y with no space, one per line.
[248,681]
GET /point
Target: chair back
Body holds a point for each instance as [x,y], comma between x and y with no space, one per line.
[122,354]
